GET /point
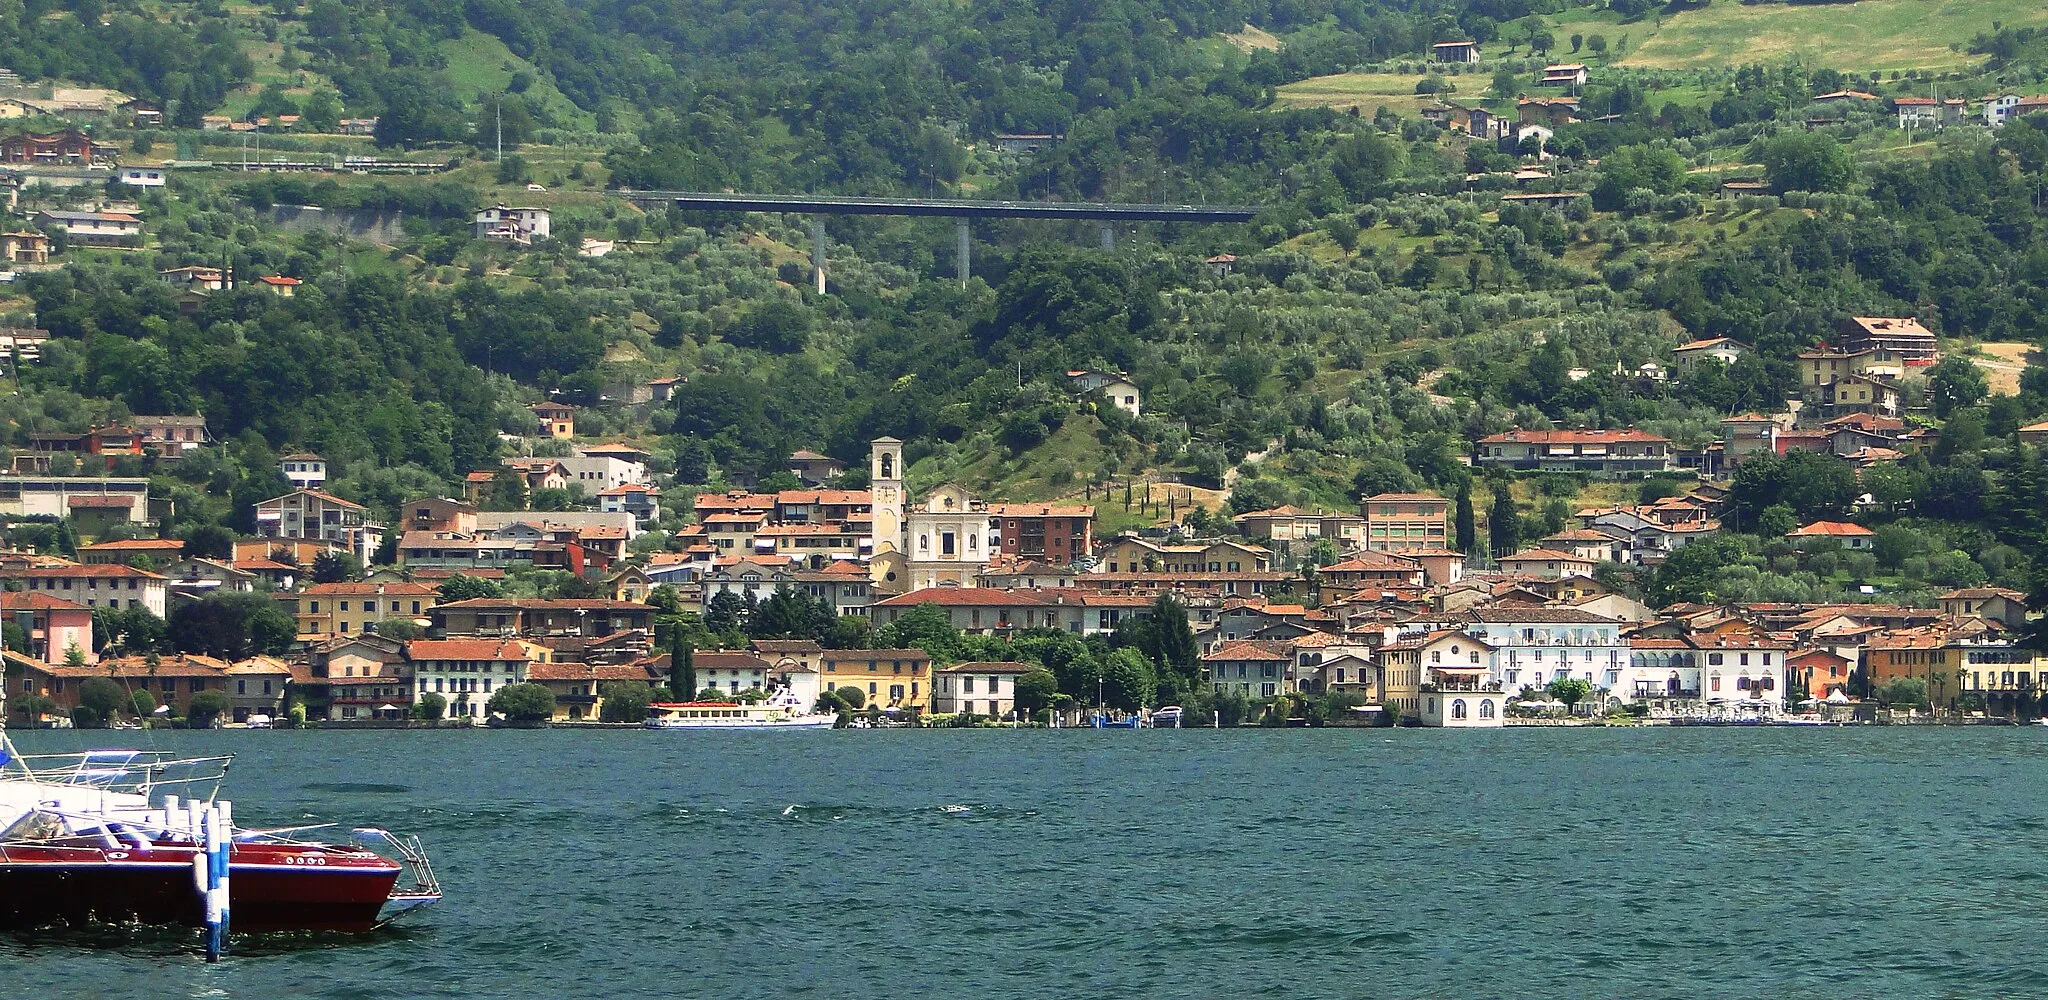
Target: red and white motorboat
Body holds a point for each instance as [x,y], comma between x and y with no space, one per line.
[99,836]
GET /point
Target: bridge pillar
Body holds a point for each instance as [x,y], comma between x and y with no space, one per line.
[818,250]
[960,257]
[1108,237]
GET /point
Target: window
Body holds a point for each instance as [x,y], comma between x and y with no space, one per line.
[1457,708]
[1486,708]
[1714,659]
[967,685]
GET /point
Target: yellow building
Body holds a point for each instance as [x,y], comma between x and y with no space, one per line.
[354,608]
[555,420]
[886,678]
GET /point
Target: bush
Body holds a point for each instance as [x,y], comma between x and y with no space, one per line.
[854,697]
[205,707]
[625,701]
[522,703]
[101,699]
[143,703]
[431,707]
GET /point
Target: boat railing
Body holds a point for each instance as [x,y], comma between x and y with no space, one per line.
[425,888]
[141,772]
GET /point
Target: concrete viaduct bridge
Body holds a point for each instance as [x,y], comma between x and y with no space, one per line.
[963,210]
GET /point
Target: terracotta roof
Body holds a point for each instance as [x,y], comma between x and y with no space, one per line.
[962,597]
[466,649]
[35,600]
[1245,649]
[1369,561]
[133,667]
[1980,593]
[537,604]
[1550,555]
[844,655]
[251,565]
[1699,345]
[97,570]
[1830,528]
[134,545]
[1040,510]
[369,590]
[589,672]
[988,667]
[97,500]
[1397,497]
[786,646]
[1513,613]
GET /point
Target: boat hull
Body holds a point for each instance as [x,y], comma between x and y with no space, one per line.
[269,890]
[820,722]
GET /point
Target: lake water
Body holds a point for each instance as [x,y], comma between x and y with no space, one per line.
[1409,863]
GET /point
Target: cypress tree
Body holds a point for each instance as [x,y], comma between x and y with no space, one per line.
[1501,527]
[682,666]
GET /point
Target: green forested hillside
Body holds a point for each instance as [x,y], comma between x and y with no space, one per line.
[1386,308]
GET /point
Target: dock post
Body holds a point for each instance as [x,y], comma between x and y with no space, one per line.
[206,830]
[960,257]
[818,250]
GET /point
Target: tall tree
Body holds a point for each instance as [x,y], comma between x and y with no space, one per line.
[682,668]
[1503,529]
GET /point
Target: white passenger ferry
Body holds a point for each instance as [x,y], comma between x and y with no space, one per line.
[781,712]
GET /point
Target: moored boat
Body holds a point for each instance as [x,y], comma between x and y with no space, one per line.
[780,712]
[98,837]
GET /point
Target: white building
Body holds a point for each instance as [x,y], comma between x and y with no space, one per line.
[466,671]
[1533,645]
[982,687]
[144,176]
[60,496]
[599,473]
[519,225]
[1117,387]
[731,671]
[99,585]
[306,471]
[1461,697]
[1743,670]
[951,537]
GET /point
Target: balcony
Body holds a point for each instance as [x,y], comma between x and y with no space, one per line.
[1647,691]
[1461,686]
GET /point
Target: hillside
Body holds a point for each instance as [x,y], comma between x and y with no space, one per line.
[1398,297]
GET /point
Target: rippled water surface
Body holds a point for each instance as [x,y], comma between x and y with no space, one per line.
[1560,863]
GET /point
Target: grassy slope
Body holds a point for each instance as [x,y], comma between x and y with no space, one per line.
[1370,90]
[1866,35]
[1862,36]
[481,64]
